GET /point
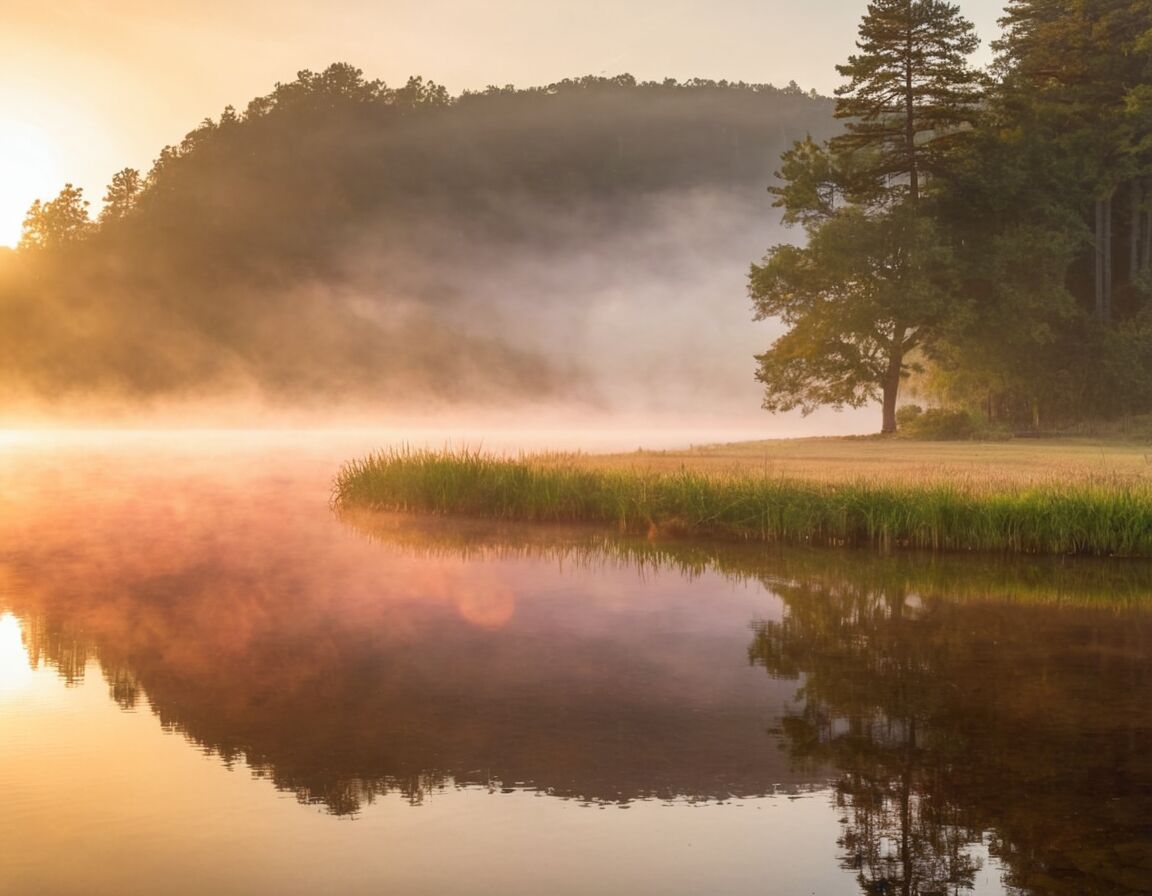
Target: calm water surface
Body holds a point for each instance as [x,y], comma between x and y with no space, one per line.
[210,682]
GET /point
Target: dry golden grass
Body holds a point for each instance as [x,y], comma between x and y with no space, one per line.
[1066,505]
[978,466]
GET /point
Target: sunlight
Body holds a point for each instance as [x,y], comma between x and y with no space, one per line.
[29,170]
[15,672]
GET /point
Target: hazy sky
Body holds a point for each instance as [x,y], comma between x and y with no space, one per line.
[90,86]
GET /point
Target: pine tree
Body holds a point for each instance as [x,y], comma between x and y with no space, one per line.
[910,93]
[122,195]
[875,281]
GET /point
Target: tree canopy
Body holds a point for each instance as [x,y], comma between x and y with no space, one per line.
[1037,182]
[874,283]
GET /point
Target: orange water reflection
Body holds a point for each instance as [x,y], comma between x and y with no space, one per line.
[974,719]
[263,628]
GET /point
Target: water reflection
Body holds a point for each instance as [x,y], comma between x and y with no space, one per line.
[966,711]
[946,719]
[342,669]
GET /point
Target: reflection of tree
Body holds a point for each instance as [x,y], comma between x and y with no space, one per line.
[861,710]
[955,695]
[946,719]
[343,677]
[62,646]
[408,703]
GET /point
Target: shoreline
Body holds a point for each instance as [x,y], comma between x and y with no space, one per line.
[1105,515]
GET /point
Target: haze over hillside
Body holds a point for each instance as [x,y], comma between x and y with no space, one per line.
[340,241]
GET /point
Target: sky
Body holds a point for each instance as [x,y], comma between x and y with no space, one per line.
[88,87]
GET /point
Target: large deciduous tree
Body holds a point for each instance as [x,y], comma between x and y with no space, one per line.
[860,298]
[874,282]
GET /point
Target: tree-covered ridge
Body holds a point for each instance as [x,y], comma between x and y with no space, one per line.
[298,246]
[1031,193]
[358,148]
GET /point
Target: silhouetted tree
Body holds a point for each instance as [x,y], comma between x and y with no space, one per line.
[58,222]
[122,195]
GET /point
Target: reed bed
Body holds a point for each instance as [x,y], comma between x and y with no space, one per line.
[1093,518]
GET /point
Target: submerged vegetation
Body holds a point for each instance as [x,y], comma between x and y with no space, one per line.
[1101,518]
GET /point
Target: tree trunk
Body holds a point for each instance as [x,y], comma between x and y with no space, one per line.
[1136,200]
[891,386]
[1099,263]
[910,127]
[1146,250]
[1104,259]
[1108,259]
[1146,243]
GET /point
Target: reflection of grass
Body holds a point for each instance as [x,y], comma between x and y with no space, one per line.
[1080,517]
[1070,581]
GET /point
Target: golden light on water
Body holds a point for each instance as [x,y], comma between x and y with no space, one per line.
[15,672]
[28,171]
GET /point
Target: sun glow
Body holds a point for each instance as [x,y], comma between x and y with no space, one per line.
[15,671]
[29,170]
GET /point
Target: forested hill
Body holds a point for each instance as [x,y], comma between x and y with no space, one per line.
[341,237]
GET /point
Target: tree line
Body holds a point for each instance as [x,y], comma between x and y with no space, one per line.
[988,233]
[291,247]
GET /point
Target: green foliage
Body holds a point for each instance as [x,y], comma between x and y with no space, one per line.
[876,280]
[807,183]
[865,288]
[910,95]
[1085,519]
[122,195]
[1039,187]
[940,424]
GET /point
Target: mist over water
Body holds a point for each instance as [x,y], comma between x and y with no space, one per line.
[341,252]
[600,322]
[590,318]
[612,312]
[198,657]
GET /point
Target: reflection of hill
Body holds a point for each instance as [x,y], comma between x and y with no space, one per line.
[341,669]
[950,699]
[953,697]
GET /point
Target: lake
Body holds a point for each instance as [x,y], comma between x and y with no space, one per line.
[209,681]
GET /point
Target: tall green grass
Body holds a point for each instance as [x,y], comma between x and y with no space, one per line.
[1099,518]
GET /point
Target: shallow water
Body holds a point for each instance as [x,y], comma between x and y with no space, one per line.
[209,681]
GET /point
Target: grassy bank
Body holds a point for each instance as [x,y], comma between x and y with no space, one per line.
[975,466]
[1106,518]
